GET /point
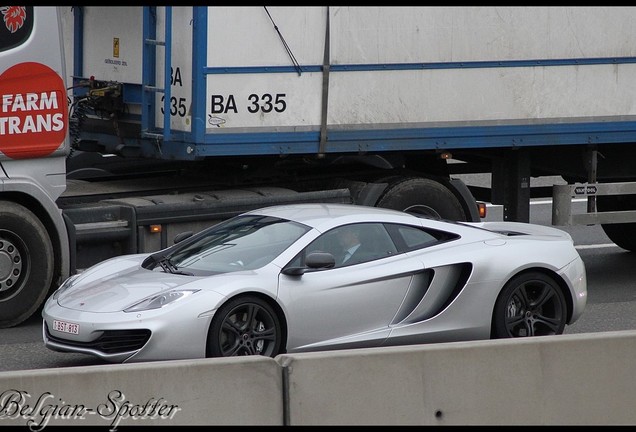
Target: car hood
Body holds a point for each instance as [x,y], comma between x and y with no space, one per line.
[117,284]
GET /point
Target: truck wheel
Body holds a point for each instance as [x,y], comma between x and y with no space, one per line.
[26,264]
[424,196]
[623,234]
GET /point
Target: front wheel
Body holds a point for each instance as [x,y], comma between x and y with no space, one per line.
[244,326]
[26,263]
[530,304]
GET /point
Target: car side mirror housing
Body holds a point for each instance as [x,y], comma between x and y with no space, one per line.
[313,261]
[182,236]
[316,260]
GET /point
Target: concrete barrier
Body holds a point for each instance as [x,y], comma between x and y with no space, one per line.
[223,391]
[579,379]
[582,379]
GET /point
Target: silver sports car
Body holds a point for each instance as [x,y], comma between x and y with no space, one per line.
[311,277]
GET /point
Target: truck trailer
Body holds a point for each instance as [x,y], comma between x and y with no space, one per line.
[121,127]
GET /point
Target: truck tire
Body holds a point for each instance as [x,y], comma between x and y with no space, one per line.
[623,234]
[26,264]
[424,196]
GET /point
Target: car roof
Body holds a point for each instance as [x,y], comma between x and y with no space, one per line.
[322,215]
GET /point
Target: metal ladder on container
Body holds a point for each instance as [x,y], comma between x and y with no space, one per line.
[149,73]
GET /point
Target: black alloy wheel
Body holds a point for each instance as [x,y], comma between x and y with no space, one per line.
[531,304]
[245,326]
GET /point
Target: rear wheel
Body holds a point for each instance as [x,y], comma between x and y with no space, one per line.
[26,263]
[244,326]
[424,196]
[623,234]
[530,304]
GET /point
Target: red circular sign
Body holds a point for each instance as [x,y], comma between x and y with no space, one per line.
[33,111]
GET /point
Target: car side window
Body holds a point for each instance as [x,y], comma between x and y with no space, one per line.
[353,244]
[410,238]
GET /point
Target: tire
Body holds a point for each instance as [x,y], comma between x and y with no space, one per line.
[530,304]
[623,234]
[232,334]
[423,196]
[26,264]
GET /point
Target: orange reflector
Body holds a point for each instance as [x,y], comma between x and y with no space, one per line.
[155,228]
[482,209]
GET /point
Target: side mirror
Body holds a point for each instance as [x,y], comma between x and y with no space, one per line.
[316,260]
[313,261]
[182,236]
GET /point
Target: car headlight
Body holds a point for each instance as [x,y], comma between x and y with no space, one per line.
[65,285]
[158,301]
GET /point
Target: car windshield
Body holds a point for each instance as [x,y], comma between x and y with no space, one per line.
[242,243]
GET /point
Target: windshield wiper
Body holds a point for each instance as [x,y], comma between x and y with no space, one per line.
[151,262]
[169,267]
